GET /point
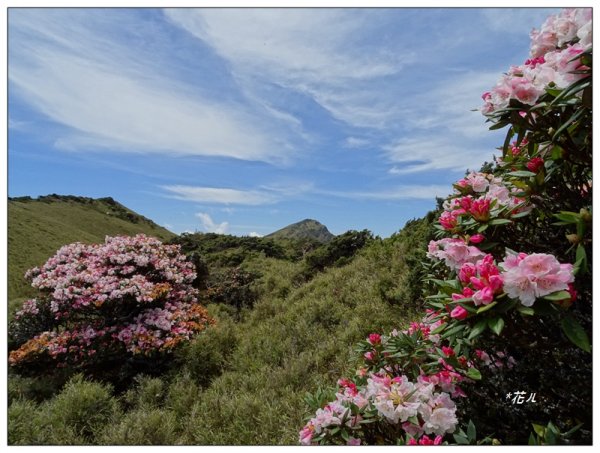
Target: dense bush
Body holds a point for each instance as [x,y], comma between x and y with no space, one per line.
[233,287]
[115,308]
[509,298]
[338,252]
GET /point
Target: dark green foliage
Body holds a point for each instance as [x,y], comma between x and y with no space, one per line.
[232,287]
[338,252]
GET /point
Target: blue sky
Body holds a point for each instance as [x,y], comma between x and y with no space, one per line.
[245,120]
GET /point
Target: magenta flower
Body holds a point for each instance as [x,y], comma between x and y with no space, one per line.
[374,339]
[477,238]
[480,209]
[459,313]
[535,164]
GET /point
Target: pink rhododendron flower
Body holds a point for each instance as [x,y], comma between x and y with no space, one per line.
[529,277]
[477,238]
[448,351]
[480,209]
[374,339]
[535,164]
[459,313]
[467,271]
[454,252]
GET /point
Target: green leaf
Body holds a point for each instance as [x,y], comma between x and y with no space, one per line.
[345,435]
[486,307]
[539,430]
[453,330]
[499,221]
[471,431]
[461,440]
[559,295]
[496,324]
[567,216]
[581,259]
[474,374]
[478,328]
[518,215]
[414,420]
[566,124]
[526,311]
[572,430]
[575,333]
[532,439]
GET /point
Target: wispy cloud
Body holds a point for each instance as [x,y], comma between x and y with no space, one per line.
[68,66]
[423,154]
[220,195]
[402,192]
[210,226]
[305,50]
[355,142]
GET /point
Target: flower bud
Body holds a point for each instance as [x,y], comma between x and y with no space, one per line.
[585,215]
[573,238]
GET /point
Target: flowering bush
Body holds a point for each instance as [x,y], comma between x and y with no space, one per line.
[509,258]
[99,304]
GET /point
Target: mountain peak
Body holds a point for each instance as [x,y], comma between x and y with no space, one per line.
[304,229]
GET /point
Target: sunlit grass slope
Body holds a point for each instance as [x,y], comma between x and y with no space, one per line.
[38,228]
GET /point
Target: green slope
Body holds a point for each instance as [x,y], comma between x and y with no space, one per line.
[39,227]
[305,229]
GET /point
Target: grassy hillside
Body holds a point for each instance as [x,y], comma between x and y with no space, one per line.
[305,229]
[39,227]
[242,382]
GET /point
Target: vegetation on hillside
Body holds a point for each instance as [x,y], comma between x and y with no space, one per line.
[245,371]
[37,227]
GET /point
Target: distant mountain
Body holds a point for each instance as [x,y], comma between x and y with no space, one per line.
[305,229]
[37,228]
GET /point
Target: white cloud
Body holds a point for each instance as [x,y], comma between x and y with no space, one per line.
[321,53]
[220,195]
[254,234]
[68,66]
[210,226]
[402,192]
[355,142]
[441,153]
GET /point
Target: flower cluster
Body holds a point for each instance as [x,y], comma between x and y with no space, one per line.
[553,62]
[480,198]
[455,252]
[128,295]
[416,408]
[528,277]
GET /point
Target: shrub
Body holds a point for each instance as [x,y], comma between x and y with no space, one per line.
[141,427]
[107,309]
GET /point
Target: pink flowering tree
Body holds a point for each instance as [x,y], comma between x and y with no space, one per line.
[508,279]
[104,306]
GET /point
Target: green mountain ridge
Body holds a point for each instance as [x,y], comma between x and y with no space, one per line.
[305,229]
[38,227]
